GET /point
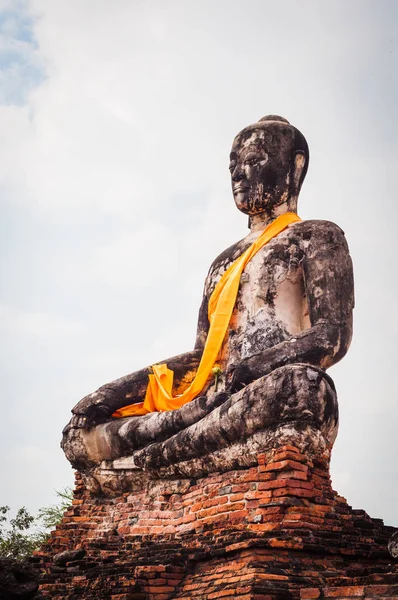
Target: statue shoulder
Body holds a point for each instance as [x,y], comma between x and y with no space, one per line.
[229,255]
[323,233]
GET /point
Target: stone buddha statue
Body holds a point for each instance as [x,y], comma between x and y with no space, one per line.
[292,319]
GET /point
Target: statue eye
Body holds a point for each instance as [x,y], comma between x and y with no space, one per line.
[232,166]
[252,161]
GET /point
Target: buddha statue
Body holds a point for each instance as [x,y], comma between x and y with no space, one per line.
[291,319]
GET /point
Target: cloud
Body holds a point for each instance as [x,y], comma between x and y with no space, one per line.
[146,256]
[117,121]
[40,325]
[34,468]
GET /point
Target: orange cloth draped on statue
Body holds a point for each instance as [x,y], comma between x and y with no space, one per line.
[159,394]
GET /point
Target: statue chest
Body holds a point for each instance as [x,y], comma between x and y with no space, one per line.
[271,304]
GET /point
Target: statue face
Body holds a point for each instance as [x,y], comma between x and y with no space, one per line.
[261,164]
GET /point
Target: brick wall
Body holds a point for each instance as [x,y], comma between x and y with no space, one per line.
[264,532]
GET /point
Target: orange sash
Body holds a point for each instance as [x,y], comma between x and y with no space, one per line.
[159,394]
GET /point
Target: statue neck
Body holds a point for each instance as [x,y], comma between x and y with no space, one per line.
[260,221]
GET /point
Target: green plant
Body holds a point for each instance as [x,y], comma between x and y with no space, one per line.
[21,535]
[50,516]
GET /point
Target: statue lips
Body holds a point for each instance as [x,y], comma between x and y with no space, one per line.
[240,193]
[240,189]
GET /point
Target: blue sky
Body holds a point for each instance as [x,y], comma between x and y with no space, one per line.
[117,121]
[20,66]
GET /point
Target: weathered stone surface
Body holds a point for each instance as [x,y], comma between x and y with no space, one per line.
[18,580]
[393,545]
[291,321]
[62,558]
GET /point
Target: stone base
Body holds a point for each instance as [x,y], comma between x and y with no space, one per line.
[271,531]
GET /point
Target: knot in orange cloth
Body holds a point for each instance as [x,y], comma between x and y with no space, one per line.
[159,393]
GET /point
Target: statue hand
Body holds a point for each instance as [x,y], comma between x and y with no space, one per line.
[91,410]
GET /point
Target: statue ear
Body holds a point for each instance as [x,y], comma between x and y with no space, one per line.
[299,164]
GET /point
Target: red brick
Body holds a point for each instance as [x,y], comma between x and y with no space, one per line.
[230,507]
[236,497]
[340,592]
[258,495]
[376,590]
[189,518]
[263,526]
[280,456]
[286,465]
[289,448]
[264,475]
[241,487]
[302,475]
[277,483]
[293,491]
[219,594]
[310,593]
[238,516]
[208,512]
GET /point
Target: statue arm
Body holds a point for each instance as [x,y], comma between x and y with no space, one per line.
[101,404]
[329,290]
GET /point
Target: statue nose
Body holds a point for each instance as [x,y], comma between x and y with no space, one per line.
[237,174]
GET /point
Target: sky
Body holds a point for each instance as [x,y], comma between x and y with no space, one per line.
[116,123]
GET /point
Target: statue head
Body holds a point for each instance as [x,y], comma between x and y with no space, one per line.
[268,163]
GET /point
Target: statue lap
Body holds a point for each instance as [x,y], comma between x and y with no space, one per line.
[294,404]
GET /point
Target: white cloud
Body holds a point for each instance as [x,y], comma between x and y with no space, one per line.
[115,190]
[37,324]
[146,256]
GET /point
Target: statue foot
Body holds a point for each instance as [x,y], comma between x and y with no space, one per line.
[86,445]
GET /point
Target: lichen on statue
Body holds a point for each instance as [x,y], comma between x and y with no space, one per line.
[291,319]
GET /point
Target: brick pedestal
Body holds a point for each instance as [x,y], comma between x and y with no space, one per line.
[268,532]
